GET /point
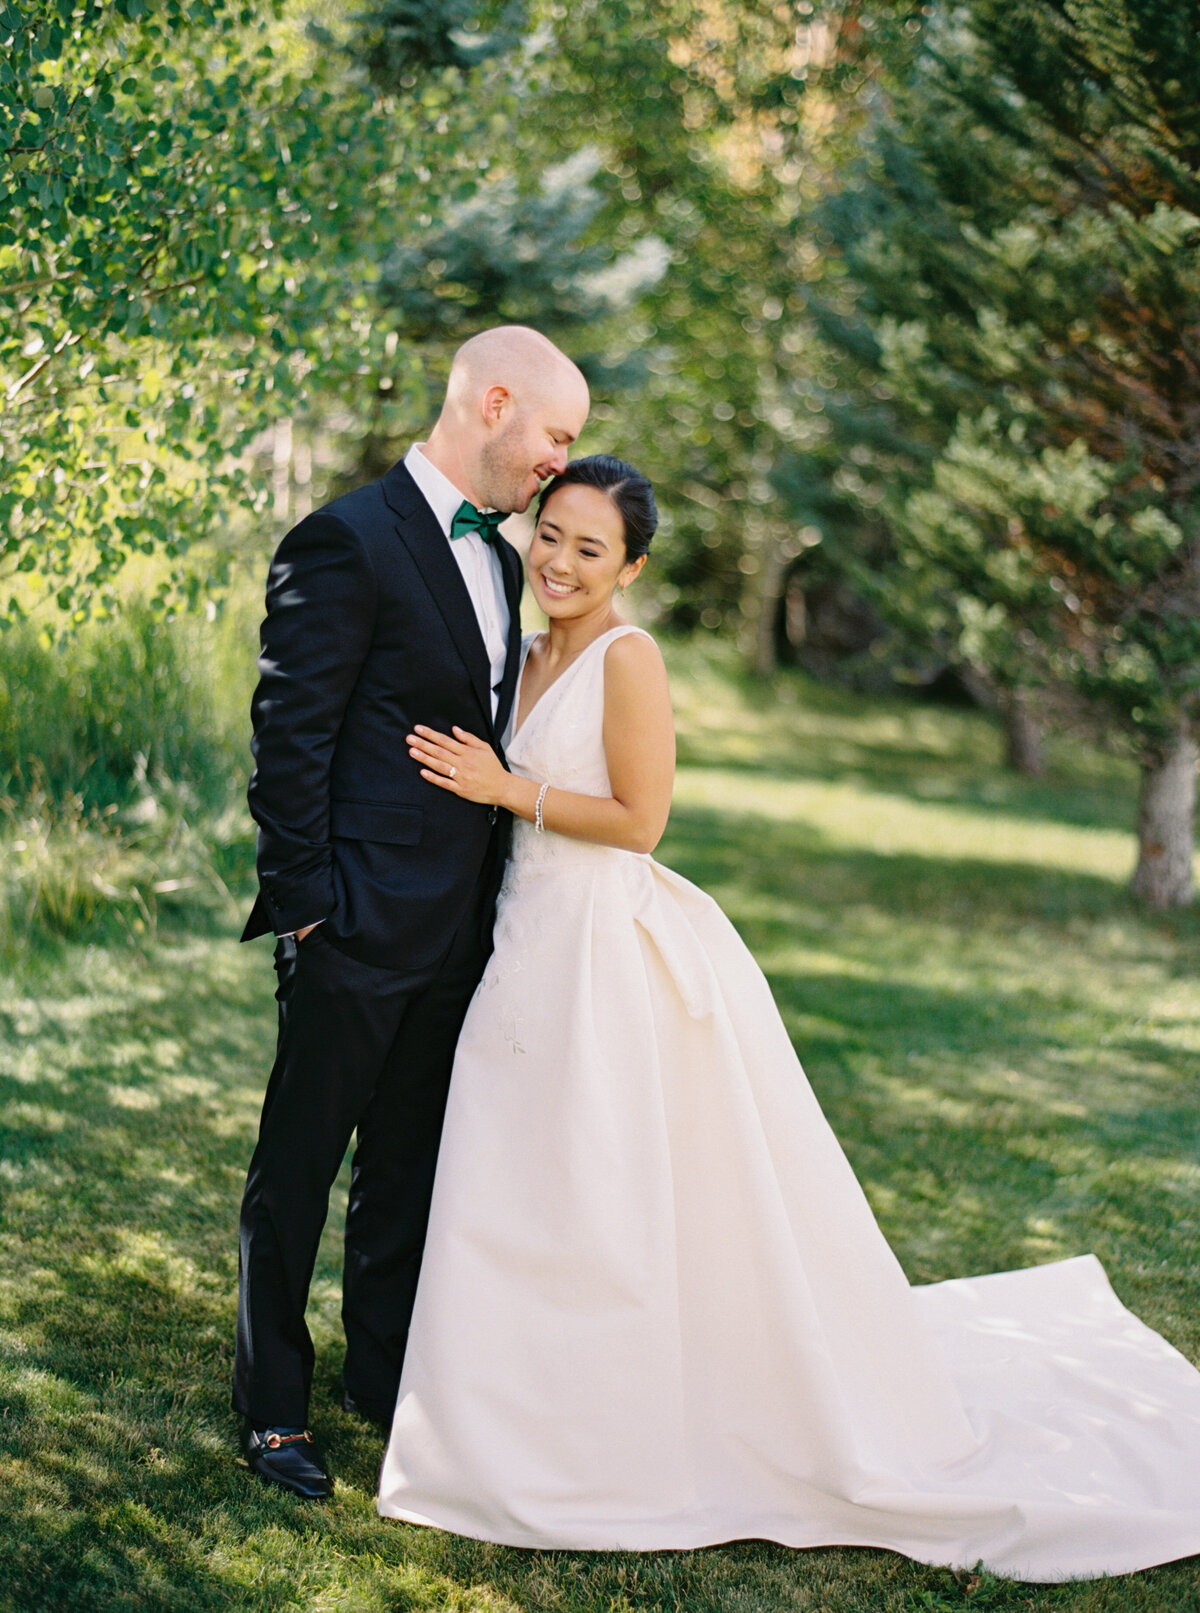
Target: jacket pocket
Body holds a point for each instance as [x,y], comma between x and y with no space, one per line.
[376,820]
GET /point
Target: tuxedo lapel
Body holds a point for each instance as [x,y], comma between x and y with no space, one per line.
[430,549]
[511,565]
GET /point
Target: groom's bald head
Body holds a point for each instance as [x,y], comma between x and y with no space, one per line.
[521,359]
[514,404]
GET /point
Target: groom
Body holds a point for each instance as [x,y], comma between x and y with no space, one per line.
[394,605]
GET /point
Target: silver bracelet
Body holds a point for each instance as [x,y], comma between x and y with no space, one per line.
[538,825]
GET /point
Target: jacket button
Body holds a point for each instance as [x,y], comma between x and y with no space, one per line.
[491,814]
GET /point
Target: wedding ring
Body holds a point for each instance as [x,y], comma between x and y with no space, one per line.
[452,772]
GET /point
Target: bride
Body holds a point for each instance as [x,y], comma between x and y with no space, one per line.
[655,1310]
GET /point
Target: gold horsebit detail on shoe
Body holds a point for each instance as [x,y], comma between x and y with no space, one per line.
[274,1441]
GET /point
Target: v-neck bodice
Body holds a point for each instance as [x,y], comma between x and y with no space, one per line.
[561,740]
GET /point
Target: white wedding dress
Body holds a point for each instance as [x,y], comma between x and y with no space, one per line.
[655,1310]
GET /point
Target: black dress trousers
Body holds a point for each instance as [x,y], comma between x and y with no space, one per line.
[366,1047]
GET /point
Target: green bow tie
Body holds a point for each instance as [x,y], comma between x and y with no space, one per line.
[468,519]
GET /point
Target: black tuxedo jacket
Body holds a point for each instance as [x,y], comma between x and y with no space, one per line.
[370,630]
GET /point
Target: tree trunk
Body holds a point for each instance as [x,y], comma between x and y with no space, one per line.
[795,613]
[281,478]
[770,596]
[1023,734]
[302,466]
[1166,825]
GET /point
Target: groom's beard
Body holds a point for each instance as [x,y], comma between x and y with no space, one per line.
[508,483]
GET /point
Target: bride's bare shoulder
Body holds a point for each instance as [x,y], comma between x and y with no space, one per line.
[633,653]
[634,669]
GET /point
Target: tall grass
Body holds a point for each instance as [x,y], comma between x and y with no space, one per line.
[123,758]
[91,717]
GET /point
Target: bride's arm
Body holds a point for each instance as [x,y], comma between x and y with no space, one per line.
[639,747]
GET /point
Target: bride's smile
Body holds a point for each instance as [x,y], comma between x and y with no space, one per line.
[578,555]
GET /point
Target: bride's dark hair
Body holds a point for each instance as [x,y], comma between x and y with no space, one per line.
[628,489]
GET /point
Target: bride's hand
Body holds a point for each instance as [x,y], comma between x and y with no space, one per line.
[463,764]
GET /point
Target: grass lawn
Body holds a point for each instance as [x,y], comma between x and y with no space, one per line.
[1009,1051]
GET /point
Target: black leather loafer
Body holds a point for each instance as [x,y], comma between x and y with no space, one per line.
[380,1417]
[287,1457]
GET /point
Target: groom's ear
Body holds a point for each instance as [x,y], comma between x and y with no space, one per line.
[495,403]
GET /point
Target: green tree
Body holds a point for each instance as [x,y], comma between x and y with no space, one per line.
[195,195]
[1024,230]
[720,126]
[652,233]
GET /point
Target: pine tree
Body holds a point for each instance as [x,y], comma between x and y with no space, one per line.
[1025,231]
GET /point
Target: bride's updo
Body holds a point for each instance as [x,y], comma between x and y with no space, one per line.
[628,489]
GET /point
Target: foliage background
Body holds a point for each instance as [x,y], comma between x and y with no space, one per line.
[888,298]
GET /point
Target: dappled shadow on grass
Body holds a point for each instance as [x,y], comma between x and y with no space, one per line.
[791,727]
[915,776]
[130,1090]
[738,850]
[130,1093]
[123,1133]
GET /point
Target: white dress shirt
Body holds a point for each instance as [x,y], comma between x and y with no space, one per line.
[477,560]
